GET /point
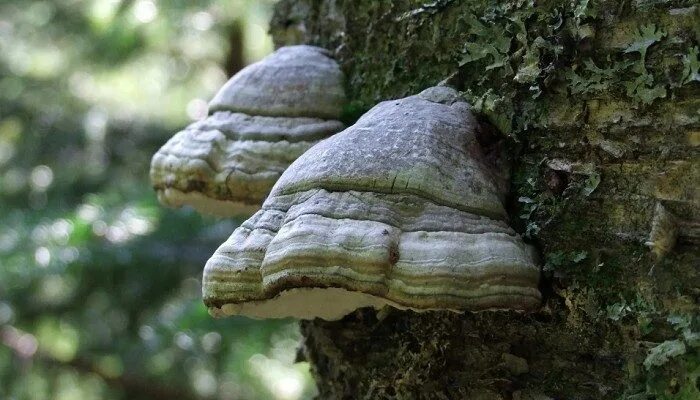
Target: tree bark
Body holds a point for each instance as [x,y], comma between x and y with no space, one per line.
[598,101]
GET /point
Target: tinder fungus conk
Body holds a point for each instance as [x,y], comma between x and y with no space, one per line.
[400,209]
[265,117]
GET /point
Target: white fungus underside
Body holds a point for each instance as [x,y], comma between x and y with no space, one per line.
[330,304]
[205,205]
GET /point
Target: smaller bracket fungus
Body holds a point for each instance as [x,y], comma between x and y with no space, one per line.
[260,121]
[400,209]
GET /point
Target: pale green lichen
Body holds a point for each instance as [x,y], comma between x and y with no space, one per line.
[647,36]
[593,78]
[642,87]
[691,66]
[490,41]
[661,354]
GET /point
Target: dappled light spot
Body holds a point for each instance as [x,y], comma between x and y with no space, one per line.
[211,342]
[183,341]
[42,256]
[41,178]
[146,333]
[14,180]
[61,230]
[202,21]
[55,290]
[8,240]
[7,314]
[197,109]
[95,124]
[88,212]
[24,344]
[284,382]
[58,338]
[204,381]
[110,366]
[145,11]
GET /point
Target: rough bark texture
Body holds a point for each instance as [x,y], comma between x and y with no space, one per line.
[598,101]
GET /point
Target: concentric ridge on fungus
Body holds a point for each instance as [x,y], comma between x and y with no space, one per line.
[399,209]
[261,120]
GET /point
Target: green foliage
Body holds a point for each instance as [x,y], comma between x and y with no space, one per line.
[99,284]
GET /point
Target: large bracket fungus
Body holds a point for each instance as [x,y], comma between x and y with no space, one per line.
[400,209]
[260,121]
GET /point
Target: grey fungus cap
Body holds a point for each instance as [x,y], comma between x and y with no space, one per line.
[399,209]
[260,121]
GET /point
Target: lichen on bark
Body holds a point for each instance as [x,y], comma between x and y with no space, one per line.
[598,101]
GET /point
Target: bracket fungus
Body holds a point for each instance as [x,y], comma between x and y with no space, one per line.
[260,121]
[400,209]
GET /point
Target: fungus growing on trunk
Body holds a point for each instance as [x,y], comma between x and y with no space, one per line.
[261,120]
[400,209]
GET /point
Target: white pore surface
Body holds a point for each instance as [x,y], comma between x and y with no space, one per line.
[205,205]
[330,304]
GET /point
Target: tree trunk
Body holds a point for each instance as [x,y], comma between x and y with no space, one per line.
[599,104]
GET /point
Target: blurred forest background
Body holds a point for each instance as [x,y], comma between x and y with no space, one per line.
[99,284]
